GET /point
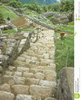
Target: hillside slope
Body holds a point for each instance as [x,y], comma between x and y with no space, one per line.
[5,12]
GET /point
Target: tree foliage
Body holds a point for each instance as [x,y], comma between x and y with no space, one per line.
[15,4]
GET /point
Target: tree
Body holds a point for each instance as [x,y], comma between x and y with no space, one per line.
[35,2]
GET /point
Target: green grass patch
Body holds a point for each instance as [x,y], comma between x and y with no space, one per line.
[64,55]
[5,12]
[9,31]
[66,28]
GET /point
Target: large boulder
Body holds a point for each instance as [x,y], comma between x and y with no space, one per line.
[65,89]
[62,18]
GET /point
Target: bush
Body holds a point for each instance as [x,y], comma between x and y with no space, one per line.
[45,8]
[1,19]
[15,4]
[34,7]
[54,7]
[66,6]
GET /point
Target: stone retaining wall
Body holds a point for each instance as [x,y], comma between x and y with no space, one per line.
[11,46]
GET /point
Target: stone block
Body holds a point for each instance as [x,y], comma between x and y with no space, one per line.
[19,80]
[20,89]
[25,97]
[50,75]
[40,91]
[28,75]
[39,76]
[30,81]
[6,96]
[5,87]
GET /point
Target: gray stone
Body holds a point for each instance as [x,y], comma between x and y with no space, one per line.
[50,84]
[19,80]
[65,90]
[18,74]
[25,97]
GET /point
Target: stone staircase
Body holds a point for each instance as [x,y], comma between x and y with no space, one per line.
[33,74]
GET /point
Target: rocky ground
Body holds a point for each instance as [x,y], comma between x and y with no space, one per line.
[33,74]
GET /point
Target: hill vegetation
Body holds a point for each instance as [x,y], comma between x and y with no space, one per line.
[4,12]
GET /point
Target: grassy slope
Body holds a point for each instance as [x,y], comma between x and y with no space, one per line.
[5,12]
[67,28]
[62,51]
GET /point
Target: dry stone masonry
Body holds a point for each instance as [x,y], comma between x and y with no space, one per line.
[31,74]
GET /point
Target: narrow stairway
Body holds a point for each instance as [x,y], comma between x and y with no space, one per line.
[33,74]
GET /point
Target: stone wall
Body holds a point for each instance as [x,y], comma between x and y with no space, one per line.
[65,88]
[11,46]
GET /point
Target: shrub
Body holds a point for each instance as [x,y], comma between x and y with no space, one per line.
[66,6]
[34,7]
[15,4]
[54,7]
[45,8]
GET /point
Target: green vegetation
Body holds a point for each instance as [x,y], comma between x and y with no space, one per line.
[64,55]
[5,12]
[66,28]
[33,7]
[11,31]
[15,4]
[64,6]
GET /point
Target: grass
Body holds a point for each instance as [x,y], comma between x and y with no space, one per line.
[67,28]
[5,12]
[11,31]
[64,55]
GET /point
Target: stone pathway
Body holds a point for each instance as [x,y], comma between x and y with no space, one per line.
[32,75]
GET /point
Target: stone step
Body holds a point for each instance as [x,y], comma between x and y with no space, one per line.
[6,95]
[41,92]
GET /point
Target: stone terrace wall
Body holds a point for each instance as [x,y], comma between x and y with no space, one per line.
[65,89]
[11,46]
